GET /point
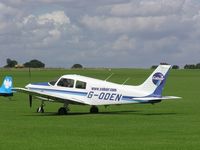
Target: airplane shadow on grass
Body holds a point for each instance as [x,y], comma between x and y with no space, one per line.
[125,112]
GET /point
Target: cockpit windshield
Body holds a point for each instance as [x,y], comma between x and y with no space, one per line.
[53,82]
[66,82]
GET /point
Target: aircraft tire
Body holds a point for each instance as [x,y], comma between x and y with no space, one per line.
[94,110]
[62,111]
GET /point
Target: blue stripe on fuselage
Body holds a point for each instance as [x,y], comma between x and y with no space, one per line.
[41,83]
[127,98]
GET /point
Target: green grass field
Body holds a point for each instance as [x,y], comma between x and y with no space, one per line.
[166,125]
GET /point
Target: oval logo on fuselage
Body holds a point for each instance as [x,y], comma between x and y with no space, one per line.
[158,78]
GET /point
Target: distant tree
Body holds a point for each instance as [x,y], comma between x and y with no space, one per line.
[10,63]
[190,66]
[154,67]
[193,66]
[34,64]
[198,66]
[186,66]
[77,66]
[175,67]
[164,63]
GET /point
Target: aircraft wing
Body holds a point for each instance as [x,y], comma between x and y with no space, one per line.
[50,97]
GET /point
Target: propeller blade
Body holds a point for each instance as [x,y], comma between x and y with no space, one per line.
[30,100]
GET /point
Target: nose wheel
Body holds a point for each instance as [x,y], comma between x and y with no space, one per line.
[41,108]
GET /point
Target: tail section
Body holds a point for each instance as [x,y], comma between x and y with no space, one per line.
[6,88]
[156,81]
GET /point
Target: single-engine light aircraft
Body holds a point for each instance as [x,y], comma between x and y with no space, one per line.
[77,89]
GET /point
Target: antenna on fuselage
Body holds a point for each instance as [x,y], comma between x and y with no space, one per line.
[109,77]
[125,81]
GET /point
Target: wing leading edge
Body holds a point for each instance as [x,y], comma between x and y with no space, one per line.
[50,96]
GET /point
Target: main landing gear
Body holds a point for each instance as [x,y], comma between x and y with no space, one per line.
[63,110]
[94,110]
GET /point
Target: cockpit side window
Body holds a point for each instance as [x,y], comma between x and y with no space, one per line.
[80,84]
[66,83]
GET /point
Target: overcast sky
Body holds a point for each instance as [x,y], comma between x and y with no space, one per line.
[100,33]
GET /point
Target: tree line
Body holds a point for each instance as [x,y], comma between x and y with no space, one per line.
[31,64]
[187,66]
[38,64]
[192,66]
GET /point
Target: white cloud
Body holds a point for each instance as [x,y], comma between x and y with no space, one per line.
[124,43]
[124,24]
[147,8]
[56,17]
[48,28]
[8,16]
[163,45]
[101,31]
[6,10]
[53,35]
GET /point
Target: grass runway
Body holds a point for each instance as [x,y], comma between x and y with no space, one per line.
[167,125]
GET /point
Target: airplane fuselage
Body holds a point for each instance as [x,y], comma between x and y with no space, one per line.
[96,92]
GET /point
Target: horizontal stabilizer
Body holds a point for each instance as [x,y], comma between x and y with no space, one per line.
[156,98]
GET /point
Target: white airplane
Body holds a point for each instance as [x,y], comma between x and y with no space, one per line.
[77,89]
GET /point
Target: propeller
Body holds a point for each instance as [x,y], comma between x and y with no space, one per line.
[30,100]
[30,96]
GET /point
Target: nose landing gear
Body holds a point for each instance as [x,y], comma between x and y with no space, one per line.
[41,108]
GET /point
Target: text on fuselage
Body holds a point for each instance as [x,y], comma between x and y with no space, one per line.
[105,96]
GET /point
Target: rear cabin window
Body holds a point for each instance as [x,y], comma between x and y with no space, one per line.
[80,84]
[66,83]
